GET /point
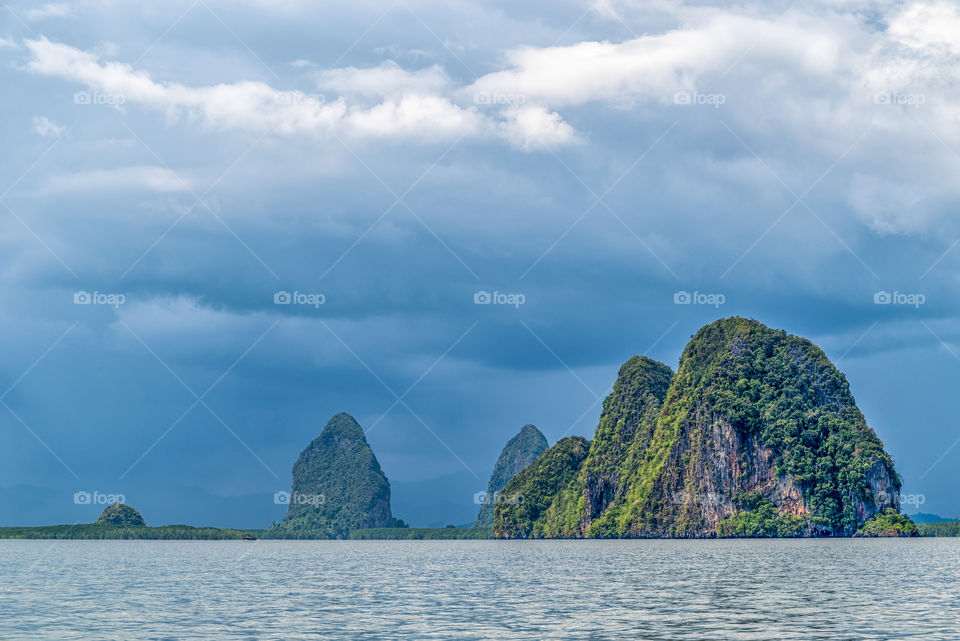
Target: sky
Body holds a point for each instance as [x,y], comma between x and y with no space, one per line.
[223,222]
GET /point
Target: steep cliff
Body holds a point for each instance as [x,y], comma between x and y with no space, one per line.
[519,452]
[757,434]
[338,485]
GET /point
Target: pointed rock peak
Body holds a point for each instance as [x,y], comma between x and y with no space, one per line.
[338,485]
[530,431]
[343,424]
[342,431]
[519,452]
[642,374]
[121,515]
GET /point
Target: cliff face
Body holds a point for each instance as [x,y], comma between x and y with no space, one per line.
[519,452]
[338,485]
[757,434]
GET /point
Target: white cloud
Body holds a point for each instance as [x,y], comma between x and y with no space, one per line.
[50,10]
[148,178]
[928,25]
[387,79]
[408,110]
[655,67]
[7,43]
[417,115]
[531,127]
[46,127]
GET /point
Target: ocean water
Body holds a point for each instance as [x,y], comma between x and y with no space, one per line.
[502,590]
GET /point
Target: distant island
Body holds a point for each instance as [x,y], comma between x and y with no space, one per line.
[755,435]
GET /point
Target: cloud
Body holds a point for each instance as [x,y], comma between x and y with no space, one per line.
[652,68]
[927,26]
[46,128]
[384,80]
[533,126]
[7,43]
[416,115]
[158,179]
[50,10]
[409,110]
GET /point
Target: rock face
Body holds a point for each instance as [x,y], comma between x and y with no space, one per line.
[338,485]
[756,434]
[519,452]
[528,497]
[120,515]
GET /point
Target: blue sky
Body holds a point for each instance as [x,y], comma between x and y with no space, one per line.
[582,162]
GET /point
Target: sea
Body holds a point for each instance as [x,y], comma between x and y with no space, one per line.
[803,589]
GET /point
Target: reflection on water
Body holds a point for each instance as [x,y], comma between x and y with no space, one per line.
[800,589]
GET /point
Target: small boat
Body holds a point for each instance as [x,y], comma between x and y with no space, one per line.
[249,537]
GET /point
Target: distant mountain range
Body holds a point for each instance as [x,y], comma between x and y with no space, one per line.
[925,517]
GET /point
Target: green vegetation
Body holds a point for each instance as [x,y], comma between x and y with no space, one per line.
[760,518]
[421,534]
[783,391]
[945,528]
[519,452]
[889,523]
[522,511]
[337,487]
[750,409]
[120,515]
[95,531]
